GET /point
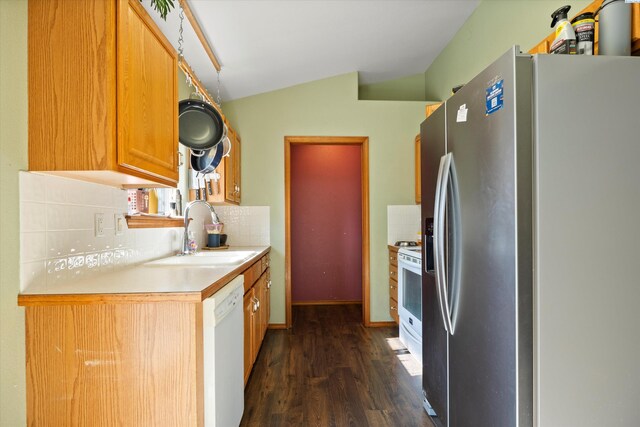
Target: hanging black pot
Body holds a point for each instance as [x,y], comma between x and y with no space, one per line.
[200,125]
[208,160]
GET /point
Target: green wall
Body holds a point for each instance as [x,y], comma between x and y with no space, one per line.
[409,88]
[13,157]
[490,31]
[328,107]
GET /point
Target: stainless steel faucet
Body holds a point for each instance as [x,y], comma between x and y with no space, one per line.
[185,238]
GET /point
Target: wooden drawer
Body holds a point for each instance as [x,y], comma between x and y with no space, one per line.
[252,274]
[265,262]
[393,272]
[393,309]
[393,289]
[393,257]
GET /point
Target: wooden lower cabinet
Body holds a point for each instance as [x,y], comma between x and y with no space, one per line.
[393,310]
[249,331]
[129,364]
[257,303]
[393,282]
[138,361]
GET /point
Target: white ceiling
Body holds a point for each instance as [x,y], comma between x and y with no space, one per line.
[265,45]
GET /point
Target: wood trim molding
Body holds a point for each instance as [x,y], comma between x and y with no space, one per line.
[277,326]
[382,324]
[198,30]
[327,302]
[153,222]
[363,141]
[287,232]
[366,317]
[98,299]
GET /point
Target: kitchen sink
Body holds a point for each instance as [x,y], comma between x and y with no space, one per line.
[205,259]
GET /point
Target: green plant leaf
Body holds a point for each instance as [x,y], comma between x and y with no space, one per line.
[163,7]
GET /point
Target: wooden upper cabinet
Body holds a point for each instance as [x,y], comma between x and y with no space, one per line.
[226,190]
[429,109]
[417,166]
[102,93]
[635,29]
[232,169]
[147,96]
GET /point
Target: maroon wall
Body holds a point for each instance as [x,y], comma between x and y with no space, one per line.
[326,223]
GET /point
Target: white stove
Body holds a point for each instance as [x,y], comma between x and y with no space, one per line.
[411,255]
[410,298]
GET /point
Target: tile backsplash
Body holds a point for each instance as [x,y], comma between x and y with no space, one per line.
[403,223]
[57,238]
[58,242]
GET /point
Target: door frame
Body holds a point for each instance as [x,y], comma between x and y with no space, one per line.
[363,141]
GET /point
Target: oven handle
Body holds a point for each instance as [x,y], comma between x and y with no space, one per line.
[411,333]
[437,213]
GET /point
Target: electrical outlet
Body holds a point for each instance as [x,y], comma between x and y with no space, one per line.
[99,224]
[120,224]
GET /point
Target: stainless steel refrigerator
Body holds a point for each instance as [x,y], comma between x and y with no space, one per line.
[531,201]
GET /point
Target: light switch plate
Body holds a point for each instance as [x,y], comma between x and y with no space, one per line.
[120,224]
[99,224]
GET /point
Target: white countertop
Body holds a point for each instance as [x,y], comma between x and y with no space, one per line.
[154,277]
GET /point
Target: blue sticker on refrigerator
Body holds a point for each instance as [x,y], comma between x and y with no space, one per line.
[495,99]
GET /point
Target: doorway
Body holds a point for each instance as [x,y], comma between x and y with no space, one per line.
[326,222]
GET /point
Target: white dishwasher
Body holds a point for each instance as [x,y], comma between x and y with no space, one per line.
[223,324]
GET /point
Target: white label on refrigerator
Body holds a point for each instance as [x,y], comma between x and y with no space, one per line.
[462,113]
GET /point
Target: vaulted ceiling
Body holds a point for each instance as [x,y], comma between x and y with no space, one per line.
[263,45]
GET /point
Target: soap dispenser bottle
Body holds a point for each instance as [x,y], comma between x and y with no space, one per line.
[565,41]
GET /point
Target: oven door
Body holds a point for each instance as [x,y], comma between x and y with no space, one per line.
[410,298]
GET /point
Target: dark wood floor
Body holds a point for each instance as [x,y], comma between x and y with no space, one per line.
[329,370]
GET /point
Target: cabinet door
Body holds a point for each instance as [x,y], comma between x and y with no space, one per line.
[264,306]
[417,167]
[147,97]
[267,300]
[393,309]
[635,27]
[72,83]
[236,168]
[257,320]
[249,316]
[229,184]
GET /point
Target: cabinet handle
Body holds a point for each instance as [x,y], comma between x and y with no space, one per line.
[392,287]
[269,284]
[393,308]
[391,258]
[180,159]
[392,273]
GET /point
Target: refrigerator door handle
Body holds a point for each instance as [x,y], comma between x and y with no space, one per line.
[442,204]
[438,213]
